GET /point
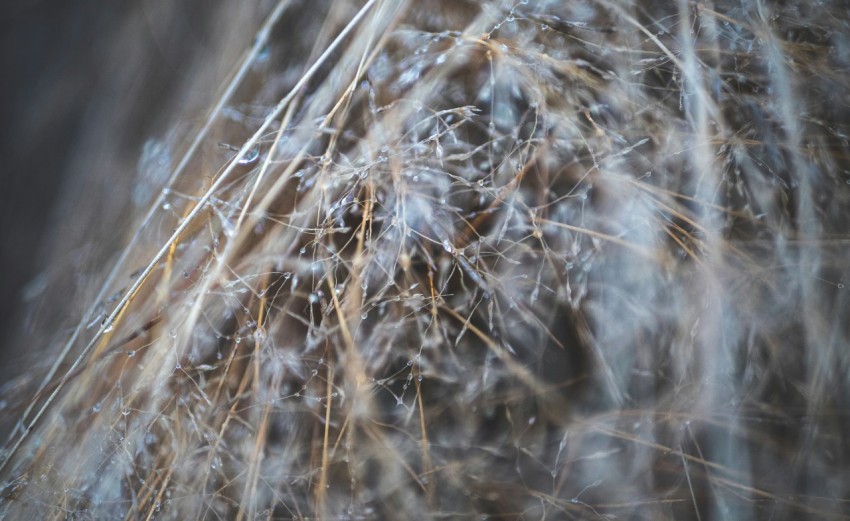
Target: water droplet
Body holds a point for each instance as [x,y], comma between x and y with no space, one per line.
[263,53]
[97,407]
[313,298]
[131,354]
[314,372]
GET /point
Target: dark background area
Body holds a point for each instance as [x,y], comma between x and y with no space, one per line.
[84,84]
[51,51]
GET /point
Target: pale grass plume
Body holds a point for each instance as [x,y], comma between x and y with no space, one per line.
[469,260]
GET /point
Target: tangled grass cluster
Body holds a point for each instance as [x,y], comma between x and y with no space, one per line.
[474,260]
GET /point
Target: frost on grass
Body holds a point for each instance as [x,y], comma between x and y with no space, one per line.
[513,260]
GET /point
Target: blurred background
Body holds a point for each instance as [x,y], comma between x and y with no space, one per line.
[85,84]
[50,54]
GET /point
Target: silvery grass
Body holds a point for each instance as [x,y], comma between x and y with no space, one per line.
[468,260]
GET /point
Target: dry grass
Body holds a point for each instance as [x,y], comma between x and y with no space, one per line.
[511,260]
